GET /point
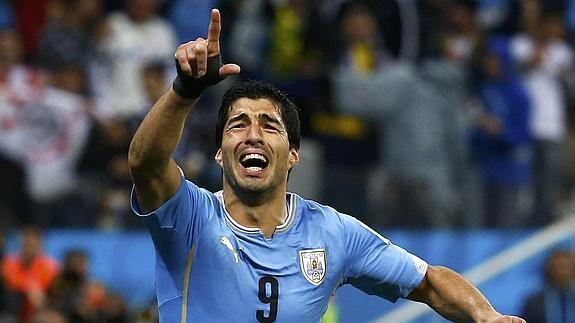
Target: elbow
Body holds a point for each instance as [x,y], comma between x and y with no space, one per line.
[134,158]
[138,162]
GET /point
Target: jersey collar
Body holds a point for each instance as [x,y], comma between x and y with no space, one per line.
[291,209]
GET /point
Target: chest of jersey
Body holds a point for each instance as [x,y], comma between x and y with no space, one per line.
[288,278]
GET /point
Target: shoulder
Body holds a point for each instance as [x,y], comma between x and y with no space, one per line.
[46,265]
[200,195]
[117,18]
[326,216]
[11,261]
[316,210]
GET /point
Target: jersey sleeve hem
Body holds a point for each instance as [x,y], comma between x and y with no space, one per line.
[136,207]
[421,268]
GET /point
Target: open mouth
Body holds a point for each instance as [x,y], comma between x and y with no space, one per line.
[254,162]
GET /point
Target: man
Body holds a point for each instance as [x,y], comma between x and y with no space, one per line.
[29,273]
[555,301]
[253,252]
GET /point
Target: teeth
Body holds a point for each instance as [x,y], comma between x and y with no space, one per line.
[254,169]
[254,156]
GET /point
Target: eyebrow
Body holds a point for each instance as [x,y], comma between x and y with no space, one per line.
[264,116]
[238,117]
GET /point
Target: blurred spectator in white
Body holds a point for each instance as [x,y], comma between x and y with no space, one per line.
[501,143]
[135,37]
[17,81]
[545,58]
[44,130]
[29,272]
[555,302]
[55,124]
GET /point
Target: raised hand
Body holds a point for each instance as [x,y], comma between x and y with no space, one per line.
[199,64]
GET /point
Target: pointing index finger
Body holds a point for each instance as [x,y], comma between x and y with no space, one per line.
[215,27]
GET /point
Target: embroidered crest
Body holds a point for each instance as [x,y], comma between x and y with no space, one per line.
[313,265]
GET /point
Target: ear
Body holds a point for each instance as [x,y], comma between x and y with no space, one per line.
[293,158]
[218,158]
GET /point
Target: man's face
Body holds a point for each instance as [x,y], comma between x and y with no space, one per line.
[255,154]
[31,245]
[561,270]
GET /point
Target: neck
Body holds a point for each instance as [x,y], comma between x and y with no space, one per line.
[265,211]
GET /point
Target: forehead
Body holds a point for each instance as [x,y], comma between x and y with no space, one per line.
[254,108]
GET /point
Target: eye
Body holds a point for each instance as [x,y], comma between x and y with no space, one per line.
[237,126]
[270,127]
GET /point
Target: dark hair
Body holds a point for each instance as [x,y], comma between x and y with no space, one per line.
[259,90]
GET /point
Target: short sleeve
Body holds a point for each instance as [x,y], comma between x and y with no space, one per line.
[184,212]
[378,267]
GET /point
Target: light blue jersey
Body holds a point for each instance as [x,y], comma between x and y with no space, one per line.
[211,269]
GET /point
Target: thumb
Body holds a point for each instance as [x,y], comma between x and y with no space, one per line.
[229,69]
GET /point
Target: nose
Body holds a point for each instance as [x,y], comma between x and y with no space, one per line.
[254,134]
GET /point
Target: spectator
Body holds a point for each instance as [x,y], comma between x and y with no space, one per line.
[82,299]
[56,124]
[66,290]
[43,131]
[29,273]
[17,80]
[555,302]
[135,37]
[411,111]
[501,143]
[346,137]
[546,58]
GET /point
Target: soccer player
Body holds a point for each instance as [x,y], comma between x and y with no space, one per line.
[253,252]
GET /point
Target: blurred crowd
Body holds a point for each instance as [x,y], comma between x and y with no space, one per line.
[423,113]
[36,288]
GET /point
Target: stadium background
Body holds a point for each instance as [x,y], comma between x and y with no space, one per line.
[392,96]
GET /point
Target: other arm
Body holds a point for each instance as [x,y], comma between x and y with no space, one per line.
[456,299]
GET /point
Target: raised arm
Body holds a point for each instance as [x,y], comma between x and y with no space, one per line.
[456,299]
[155,174]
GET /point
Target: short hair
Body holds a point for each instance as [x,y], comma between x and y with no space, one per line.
[260,90]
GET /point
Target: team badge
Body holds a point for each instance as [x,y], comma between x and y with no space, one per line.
[313,265]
